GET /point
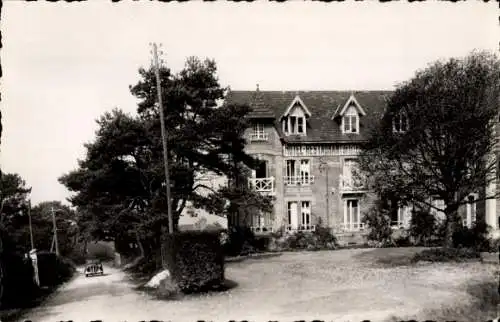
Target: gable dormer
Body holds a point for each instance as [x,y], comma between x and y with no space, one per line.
[350,114]
[294,120]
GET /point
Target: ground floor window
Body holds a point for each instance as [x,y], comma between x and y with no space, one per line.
[352,218]
[470,211]
[299,215]
[401,217]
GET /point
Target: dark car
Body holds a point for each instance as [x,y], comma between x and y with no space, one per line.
[93,269]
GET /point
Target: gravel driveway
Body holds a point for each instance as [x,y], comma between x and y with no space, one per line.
[341,285]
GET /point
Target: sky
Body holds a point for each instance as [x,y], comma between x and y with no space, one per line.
[65,64]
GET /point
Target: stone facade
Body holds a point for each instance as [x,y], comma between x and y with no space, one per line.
[309,173]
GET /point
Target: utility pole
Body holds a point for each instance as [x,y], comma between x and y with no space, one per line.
[164,138]
[31,227]
[55,230]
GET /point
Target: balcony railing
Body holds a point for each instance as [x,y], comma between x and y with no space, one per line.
[259,136]
[290,228]
[349,227]
[262,229]
[350,185]
[299,180]
[264,185]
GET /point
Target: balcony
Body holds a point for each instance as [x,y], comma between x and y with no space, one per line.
[349,227]
[263,185]
[303,228]
[351,185]
[261,229]
[299,180]
[259,137]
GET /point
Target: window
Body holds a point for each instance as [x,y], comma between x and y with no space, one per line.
[298,172]
[300,125]
[294,125]
[470,211]
[293,222]
[351,121]
[258,133]
[351,215]
[302,221]
[306,215]
[400,122]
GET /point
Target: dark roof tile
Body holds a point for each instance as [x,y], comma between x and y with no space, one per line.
[323,105]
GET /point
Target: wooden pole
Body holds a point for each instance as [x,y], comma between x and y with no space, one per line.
[31,227]
[164,138]
[55,230]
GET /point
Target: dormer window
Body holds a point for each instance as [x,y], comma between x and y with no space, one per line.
[294,118]
[349,115]
[294,125]
[350,121]
[400,122]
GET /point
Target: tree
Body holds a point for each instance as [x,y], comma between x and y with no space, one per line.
[436,138]
[120,185]
[43,229]
[13,201]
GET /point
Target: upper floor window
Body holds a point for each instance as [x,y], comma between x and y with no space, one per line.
[350,121]
[400,122]
[258,133]
[294,125]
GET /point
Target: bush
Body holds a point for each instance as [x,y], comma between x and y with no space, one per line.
[195,260]
[423,227]
[446,255]
[320,238]
[18,284]
[379,220]
[475,237]
[101,250]
[240,241]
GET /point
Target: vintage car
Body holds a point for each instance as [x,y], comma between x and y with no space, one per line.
[93,268]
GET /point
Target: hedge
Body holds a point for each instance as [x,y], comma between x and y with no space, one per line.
[195,260]
[18,285]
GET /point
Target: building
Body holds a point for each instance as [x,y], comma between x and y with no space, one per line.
[308,143]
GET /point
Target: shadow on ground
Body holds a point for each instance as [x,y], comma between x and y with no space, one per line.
[388,257]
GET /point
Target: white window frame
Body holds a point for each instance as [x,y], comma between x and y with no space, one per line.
[349,224]
[398,119]
[305,214]
[258,132]
[291,204]
[295,175]
[351,117]
[471,210]
[290,129]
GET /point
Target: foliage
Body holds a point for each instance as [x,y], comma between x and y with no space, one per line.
[423,227]
[195,260]
[379,220]
[449,108]
[100,250]
[319,239]
[475,237]
[446,255]
[240,241]
[119,186]
[18,285]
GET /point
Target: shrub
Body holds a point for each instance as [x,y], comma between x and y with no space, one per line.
[19,288]
[423,227]
[379,220]
[446,255]
[195,260]
[240,241]
[101,250]
[475,237]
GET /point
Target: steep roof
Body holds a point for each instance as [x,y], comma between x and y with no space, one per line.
[323,126]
